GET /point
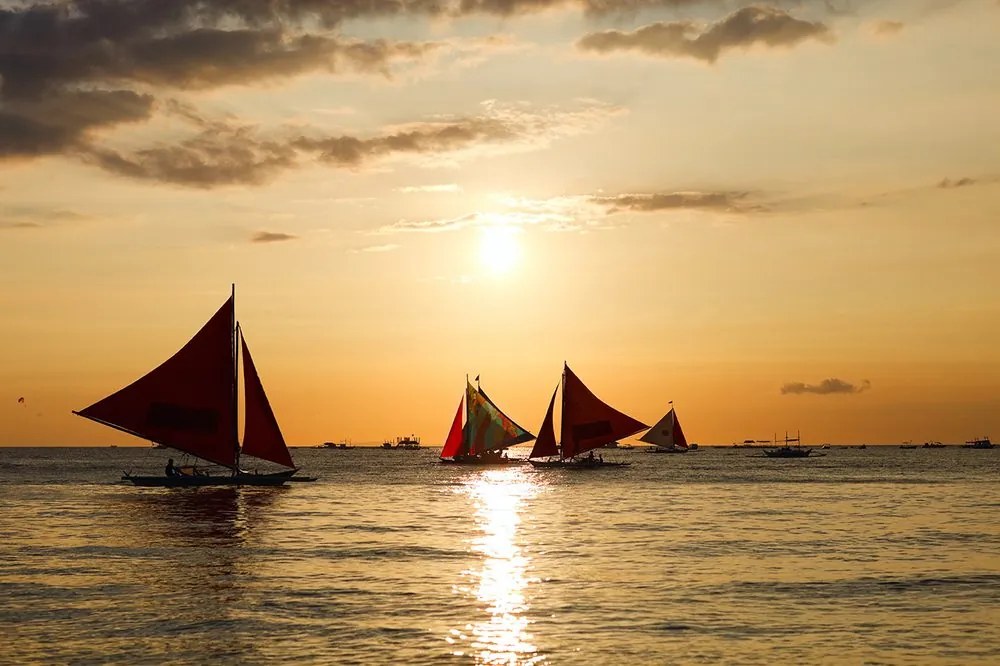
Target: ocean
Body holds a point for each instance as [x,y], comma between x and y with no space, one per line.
[880,556]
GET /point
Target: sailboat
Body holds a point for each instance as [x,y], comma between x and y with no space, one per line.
[486,433]
[789,451]
[588,423]
[666,436]
[190,403]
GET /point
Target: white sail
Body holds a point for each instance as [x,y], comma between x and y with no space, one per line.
[666,434]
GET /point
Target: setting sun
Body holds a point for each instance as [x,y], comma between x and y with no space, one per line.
[499,249]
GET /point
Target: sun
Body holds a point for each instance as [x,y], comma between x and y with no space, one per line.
[499,249]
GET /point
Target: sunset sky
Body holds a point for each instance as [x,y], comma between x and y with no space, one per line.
[780,215]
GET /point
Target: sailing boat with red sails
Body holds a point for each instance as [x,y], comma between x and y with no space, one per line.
[588,423]
[667,436]
[486,434]
[190,403]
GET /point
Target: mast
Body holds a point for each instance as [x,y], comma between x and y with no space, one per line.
[562,411]
[235,388]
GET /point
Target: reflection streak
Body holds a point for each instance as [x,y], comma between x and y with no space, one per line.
[502,637]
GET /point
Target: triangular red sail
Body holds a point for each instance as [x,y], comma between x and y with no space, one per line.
[679,440]
[188,402]
[588,422]
[261,434]
[545,444]
[453,445]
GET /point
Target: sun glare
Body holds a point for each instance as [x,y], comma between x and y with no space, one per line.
[499,249]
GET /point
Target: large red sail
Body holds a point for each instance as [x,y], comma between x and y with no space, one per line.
[188,402]
[588,422]
[453,445]
[261,435]
[545,444]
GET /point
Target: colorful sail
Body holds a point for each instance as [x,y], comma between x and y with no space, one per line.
[667,433]
[545,444]
[261,435]
[189,401]
[453,445]
[588,422]
[489,428]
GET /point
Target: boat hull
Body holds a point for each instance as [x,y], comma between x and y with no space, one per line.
[674,450]
[576,464]
[481,463]
[788,453]
[202,481]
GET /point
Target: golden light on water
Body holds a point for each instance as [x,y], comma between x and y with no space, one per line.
[499,585]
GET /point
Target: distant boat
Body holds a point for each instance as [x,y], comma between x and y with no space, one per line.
[907,445]
[486,434]
[933,445]
[983,443]
[330,445]
[190,403]
[666,436]
[588,423]
[788,451]
[405,443]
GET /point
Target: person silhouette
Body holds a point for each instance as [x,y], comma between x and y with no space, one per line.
[170,470]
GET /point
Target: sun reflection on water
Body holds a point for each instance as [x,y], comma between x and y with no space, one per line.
[502,637]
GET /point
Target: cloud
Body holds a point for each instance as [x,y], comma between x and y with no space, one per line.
[826,387]
[886,28]
[948,184]
[746,27]
[447,187]
[385,247]
[63,120]
[37,217]
[271,237]
[576,212]
[225,152]
[646,203]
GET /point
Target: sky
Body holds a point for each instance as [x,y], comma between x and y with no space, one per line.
[781,216]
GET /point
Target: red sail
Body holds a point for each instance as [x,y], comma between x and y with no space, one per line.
[261,434]
[589,423]
[545,444]
[188,402]
[453,445]
[679,440]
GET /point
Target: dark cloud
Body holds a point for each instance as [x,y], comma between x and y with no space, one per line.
[224,152]
[63,120]
[646,203]
[20,225]
[209,159]
[887,28]
[948,184]
[749,26]
[825,387]
[271,237]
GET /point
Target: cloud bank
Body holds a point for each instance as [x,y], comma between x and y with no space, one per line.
[832,386]
[750,26]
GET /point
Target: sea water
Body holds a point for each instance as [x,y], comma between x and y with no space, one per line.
[879,555]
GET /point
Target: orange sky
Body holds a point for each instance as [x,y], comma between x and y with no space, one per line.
[704,202]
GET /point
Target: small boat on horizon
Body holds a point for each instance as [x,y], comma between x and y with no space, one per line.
[331,445]
[190,403]
[404,443]
[486,434]
[666,436]
[907,445]
[789,451]
[588,423]
[933,445]
[982,443]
